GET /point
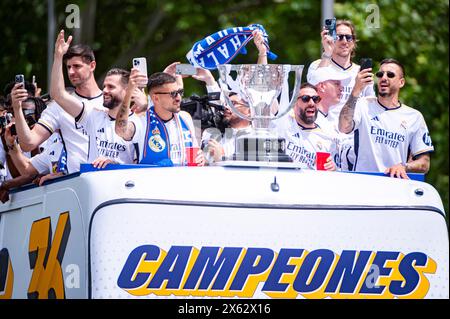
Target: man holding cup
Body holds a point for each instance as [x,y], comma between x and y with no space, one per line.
[306,141]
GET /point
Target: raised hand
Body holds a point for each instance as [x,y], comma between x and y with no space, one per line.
[61,45]
[204,76]
[327,42]
[258,39]
[18,94]
[171,69]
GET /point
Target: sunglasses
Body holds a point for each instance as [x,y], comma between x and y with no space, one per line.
[347,37]
[28,112]
[173,94]
[306,98]
[389,74]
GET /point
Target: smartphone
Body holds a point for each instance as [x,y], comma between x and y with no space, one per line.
[13,130]
[185,69]
[20,79]
[141,65]
[366,63]
[330,25]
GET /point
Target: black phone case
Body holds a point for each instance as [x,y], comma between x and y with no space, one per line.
[366,63]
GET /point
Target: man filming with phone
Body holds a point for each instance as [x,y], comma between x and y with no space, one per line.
[80,65]
[165,132]
[338,54]
[392,137]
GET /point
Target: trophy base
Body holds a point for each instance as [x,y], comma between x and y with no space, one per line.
[261,149]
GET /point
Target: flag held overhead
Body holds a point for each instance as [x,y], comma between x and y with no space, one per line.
[223,46]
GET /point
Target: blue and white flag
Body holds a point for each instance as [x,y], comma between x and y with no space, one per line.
[221,47]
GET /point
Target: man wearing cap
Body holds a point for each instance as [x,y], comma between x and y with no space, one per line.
[337,55]
[304,137]
[330,84]
[390,137]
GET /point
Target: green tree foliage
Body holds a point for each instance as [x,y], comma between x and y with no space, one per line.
[414,32]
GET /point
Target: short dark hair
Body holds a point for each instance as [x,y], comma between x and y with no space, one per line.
[158,79]
[308,85]
[394,61]
[82,50]
[124,75]
[28,86]
[8,88]
[39,104]
[3,105]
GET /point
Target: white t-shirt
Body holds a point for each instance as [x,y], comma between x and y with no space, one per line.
[73,135]
[352,71]
[385,137]
[47,161]
[103,140]
[302,143]
[175,136]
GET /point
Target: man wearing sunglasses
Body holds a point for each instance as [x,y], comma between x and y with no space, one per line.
[304,137]
[165,131]
[338,56]
[390,136]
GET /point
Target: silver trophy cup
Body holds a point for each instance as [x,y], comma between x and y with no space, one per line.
[265,87]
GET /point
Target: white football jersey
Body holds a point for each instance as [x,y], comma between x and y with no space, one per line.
[73,135]
[303,143]
[351,71]
[48,161]
[103,140]
[386,137]
[175,136]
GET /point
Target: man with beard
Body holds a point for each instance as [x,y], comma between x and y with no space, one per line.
[80,64]
[164,132]
[304,137]
[222,146]
[105,146]
[387,132]
[338,56]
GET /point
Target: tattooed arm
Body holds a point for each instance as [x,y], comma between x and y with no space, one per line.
[123,127]
[346,123]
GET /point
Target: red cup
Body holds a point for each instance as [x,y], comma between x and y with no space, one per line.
[321,158]
[191,154]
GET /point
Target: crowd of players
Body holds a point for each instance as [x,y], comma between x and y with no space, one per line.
[337,112]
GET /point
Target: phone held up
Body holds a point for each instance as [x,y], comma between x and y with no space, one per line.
[20,79]
[366,63]
[185,69]
[141,65]
[330,25]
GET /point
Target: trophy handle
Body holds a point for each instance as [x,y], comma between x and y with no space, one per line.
[298,70]
[224,81]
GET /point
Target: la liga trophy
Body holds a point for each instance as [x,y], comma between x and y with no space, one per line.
[265,87]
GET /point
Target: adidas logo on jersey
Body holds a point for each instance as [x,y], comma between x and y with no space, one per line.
[376,119]
[102,130]
[52,153]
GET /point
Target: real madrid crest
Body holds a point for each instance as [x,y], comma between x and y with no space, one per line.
[156,131]
[156,143]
